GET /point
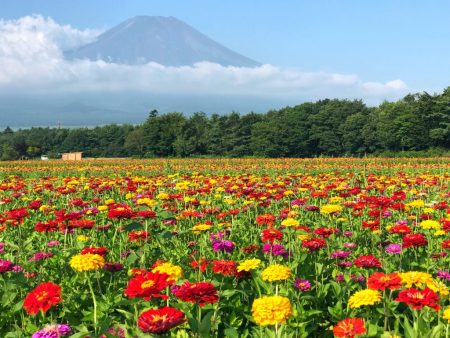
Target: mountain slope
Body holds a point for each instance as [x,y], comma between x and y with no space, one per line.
[165,40]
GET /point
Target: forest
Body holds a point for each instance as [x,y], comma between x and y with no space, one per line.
[418,123]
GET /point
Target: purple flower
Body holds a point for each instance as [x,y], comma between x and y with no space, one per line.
[302,285]
[347,234]
[53,331]
[401,222]
[443,275]
[386,213]
[225,245]
[113,267]
[2,247]
[275,249]
[340,254]
[394,248]
[5,265]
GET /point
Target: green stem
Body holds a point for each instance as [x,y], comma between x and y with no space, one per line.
[94,301]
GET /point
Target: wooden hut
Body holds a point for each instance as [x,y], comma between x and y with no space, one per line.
[72,156]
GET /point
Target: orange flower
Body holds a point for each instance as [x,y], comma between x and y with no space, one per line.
[349,328]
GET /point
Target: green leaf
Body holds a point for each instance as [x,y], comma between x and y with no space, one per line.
[231,333]
[205,326]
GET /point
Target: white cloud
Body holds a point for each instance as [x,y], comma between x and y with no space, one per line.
[31,60]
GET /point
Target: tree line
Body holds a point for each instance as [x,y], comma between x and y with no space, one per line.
[329,127]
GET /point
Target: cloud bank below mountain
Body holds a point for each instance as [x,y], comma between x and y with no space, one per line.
[32,61]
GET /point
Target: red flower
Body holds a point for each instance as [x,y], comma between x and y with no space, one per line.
[446,244]
[271,235]
[146,214]
[120,212]
[414,240]
[372,225]
[201,293]
[43,297]
[201,264]
[49,226]
[400,229]
[148,285]
[314,244]
[367,261]
[380,281]
[418,299]
[349,328]
[323,232]
[137,236]
[267,219]
[102,251]
[160,320]
[224,267]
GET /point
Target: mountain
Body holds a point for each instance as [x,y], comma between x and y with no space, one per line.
[165,40]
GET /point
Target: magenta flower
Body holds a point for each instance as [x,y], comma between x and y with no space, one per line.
[53,331]
[5,265]
[302,285]
[225,245]
[394,248]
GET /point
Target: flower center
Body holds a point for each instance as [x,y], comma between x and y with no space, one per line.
[41,295]
[147,284]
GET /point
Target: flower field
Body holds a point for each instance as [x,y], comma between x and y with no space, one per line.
[225,248]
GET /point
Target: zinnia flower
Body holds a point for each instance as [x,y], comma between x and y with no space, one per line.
[417,299]
[174,271]
[364,297]
[161,320]
[5,265]
[248,265]
[87,262]
[414,240]
[367,261]
[302,284]
[43,297]
[446,314]
[276,272]
[314,244]
[148,285]
[201,293]
[394,248]
[271,310]
[380,281]
[224,267]
[349,328]
[53,331]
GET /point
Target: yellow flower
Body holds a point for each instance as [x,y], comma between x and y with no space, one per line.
[109,201]
[82,238]
[416,204]
[163,196]
[87,262]
[439,233]
[364,297]
[290,222]
[271,310]
[447,313]
[249,264]
[200,227]
[303,237]
[430,224]
[329,209]
[276,272]
[416,278]
[428,210]
[174,271]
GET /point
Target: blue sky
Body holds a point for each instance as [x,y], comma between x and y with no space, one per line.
[379,40]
